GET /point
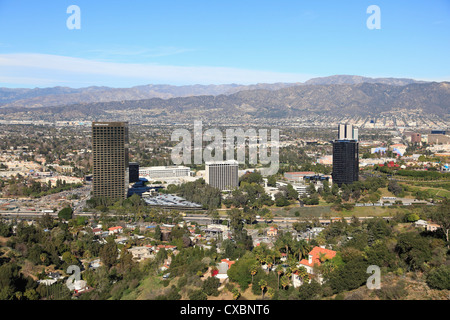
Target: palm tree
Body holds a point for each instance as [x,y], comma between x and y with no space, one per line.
[303,273]
[269,260]
[285,242]
[285,281]
[254,269]
[259,252]
[236,293]
[279,270]
[276,255]
[303,248]
[270,292]
[322,257]
[262,283]
[262,260]
[294,268]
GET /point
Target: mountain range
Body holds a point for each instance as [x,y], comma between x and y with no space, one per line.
[358,98]
[58,96]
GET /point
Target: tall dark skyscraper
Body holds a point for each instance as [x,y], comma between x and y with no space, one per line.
[110,159]
[346,156]
[134,171]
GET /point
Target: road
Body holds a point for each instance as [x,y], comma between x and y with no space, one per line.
[204,219]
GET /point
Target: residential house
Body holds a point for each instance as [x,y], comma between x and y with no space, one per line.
[115,230]
[166,247]
[428,226]
[223,267]
[47,282]
[54,275]
[166,264]
[77,286]
[141,253]
[121,240]
[421,223]
[97,231]
[432,227]
[95,264]
[272,232]
[315,258]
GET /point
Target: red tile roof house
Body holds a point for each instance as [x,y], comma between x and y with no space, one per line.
[313,260]
[272,232]
[223,267]
[97,231]
[165,247]
[114,230]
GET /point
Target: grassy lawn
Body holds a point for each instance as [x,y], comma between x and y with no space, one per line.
[148,288]
[434,191]
[307,211]
[370,212]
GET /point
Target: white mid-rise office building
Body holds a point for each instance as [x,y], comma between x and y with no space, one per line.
[164,172]
[347,132]
[222,174]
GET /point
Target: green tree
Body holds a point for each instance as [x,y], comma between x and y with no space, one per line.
[285,241]
[442,217]
[414,250]
[210,286]
[236,293]
[254,269]
[272,181]
[291,193]
[65,213]
[379,254]
[310,290]
[279,270]
[262,284]
[240,271]
[125,263]
[108,253]
[439,278]
[394,187]
[157,234]
[198,295]
[350,276]
[31,294]
[285,281]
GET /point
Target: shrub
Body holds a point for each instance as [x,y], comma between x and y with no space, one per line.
[396,292]
[439,278]
[210,286]
[65,213]
[198,295]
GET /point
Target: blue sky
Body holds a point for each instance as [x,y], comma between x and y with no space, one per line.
[128,43]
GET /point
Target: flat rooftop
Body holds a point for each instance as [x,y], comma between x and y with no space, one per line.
[170,200]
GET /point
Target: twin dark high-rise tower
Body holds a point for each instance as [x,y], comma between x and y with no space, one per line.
[110,159]
[346,155]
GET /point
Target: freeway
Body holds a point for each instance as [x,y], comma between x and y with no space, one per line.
[202,219]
